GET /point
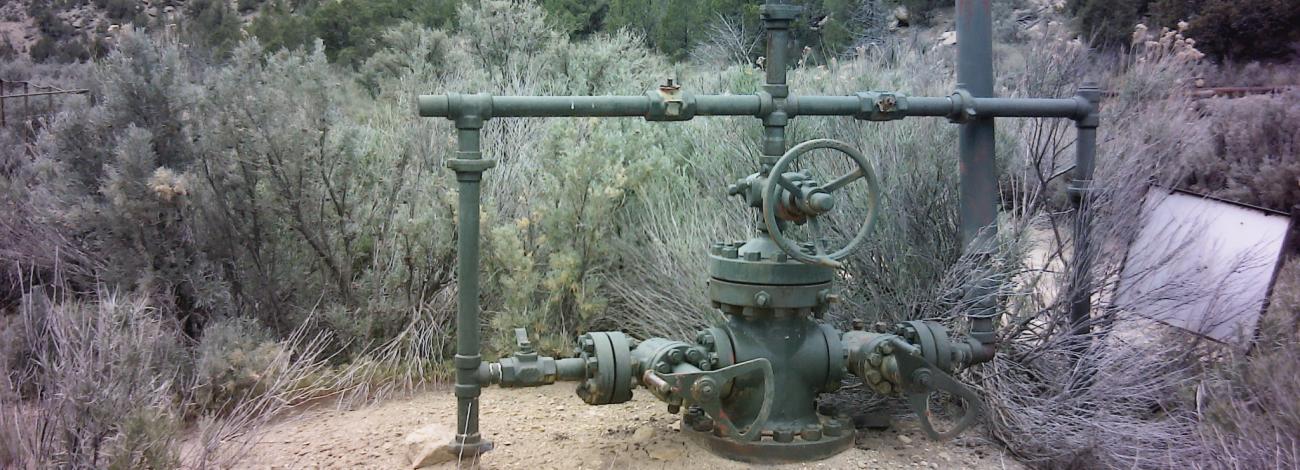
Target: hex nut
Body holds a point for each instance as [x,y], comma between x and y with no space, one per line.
[812,432]
[833,428]
[675,356]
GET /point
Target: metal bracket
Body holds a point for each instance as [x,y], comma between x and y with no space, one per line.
[670,103]
[882,106]
[470,165]
[963,106]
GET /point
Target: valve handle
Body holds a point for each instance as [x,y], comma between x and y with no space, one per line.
[923,379]
[818,201]
[704,389]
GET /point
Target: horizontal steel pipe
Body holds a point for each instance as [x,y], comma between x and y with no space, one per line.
[1031,107]
[751,105]
[569,106]
[727,105]
[825,105]
[928,106]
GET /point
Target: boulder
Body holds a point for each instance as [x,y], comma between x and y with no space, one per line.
[429,445]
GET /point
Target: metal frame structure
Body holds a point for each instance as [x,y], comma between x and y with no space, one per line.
[729,378]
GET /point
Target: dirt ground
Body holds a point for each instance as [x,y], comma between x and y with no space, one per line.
[550,428]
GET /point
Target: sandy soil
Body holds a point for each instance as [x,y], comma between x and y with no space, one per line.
[550,428]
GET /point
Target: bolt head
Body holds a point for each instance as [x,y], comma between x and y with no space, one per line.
[694,355]
[812,432]
[833,427]
[675,356]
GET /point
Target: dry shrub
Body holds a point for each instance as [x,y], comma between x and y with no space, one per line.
[99,381]
[1106,399]
[108,382]
[1250,405]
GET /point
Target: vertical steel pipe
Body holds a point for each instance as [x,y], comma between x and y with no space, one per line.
[1085,147]
[469,167]
[979,177]
[979,190]
[777,17]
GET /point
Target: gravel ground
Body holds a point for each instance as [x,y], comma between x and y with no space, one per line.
[550,428]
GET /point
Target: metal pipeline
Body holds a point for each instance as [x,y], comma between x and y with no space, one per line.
[1081,193]
[469,166]
[865,106]
[979,178]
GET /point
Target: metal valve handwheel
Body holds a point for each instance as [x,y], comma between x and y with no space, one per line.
[810,201]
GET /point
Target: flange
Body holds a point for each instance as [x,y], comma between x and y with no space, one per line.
[817,443]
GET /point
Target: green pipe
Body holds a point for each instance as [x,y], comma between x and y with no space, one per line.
[1028,107]
[727,105]
[777,16]
[979,178]
[749,105]
[469,167]
[1085,147]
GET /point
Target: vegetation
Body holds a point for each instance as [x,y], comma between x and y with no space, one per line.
[1231,29]
[214,235]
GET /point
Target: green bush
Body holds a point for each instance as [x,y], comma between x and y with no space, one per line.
[1247,30]
[1108,23]
[1254,145]
[235,360]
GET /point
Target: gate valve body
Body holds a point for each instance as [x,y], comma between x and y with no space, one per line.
[914,362]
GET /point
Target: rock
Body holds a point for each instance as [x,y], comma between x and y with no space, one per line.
[643,435]
[948,38]
[918,459]
[904,439]
[945,456]
[665,452]
[902,15]
[428,446]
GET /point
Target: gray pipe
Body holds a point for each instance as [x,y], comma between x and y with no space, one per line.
[979,180]
[1081,193]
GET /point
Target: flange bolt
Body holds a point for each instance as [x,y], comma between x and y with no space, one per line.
[812,432]
[694,356]
[675,356]
[833,428]
[783,435]
[762,299]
